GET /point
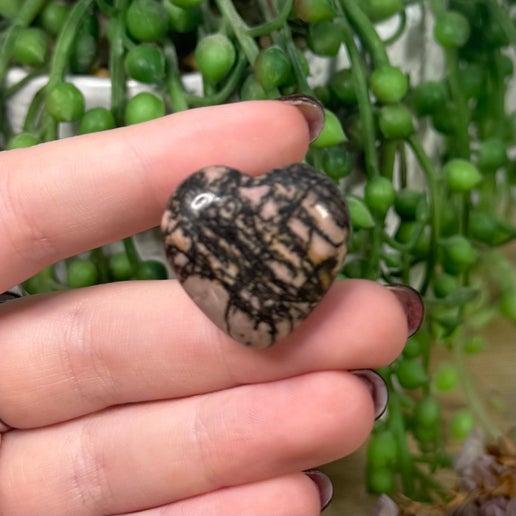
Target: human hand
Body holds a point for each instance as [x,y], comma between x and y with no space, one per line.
[123,398]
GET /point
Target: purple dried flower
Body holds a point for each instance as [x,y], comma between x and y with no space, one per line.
[385,506]
[510,510]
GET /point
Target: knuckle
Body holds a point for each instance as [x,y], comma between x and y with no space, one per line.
[82,360]
[89,479]
[207,430]
[20,226]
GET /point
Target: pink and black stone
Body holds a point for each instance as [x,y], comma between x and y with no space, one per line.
[256,254]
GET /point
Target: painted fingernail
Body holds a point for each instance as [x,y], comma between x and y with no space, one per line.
[7,296]
[377,387]
[13,293]
[323,484]
[312,110]
[412,304]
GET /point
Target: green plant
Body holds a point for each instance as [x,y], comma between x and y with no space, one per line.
[438,224]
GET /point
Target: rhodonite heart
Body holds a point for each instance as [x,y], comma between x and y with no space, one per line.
[256,254]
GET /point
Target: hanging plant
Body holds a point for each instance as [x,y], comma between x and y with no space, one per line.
[426,165]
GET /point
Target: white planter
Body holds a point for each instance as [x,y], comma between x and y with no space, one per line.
[96,90]
[97,93]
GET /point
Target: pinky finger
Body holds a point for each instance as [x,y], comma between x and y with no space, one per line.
[290,495]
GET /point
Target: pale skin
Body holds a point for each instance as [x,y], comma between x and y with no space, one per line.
[124,398]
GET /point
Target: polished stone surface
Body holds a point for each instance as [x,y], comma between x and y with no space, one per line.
[256,254]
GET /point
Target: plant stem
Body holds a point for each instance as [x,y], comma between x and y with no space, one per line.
[33,115]
[316,156]
[60,59]
[365,29]
[292,51]
[400,30]
[497,98]
[501,16]
[473,400]
[402,166]
[106,8]
[388,155]
[405,268]
[462,143]
[271,25]
[408,246]
[397,426]
[285,37]
[29,77]
[116,58]
[132,253]
[268,9]
[373,262]
[28,11]
[65,41]
[457,298]
[176,91]
[433,187]
[239,28]
[364,103]
[226,90]
[99,258]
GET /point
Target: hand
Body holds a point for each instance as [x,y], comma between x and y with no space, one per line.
[124,398]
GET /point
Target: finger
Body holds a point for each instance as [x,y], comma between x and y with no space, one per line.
[289,495]
[72,353]
[146,455]
[64,197]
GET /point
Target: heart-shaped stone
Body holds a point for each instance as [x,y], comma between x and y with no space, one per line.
[256,254]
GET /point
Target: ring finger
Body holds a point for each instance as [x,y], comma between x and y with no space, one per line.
[296,494]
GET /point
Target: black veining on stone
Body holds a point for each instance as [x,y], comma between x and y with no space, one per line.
[256,254]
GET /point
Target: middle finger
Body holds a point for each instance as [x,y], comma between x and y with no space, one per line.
[76,352]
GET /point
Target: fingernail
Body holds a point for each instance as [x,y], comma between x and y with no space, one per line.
[311,109]
[7,296]
[323,484]
[412,304]
[377,387]
[12,293]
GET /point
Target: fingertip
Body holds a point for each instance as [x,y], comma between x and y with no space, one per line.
[412,304]
[252,136]
[383,309]
[344,412]
[312,111]
[324,486]
[361,321]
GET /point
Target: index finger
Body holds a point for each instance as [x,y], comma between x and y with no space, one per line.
[61,198]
